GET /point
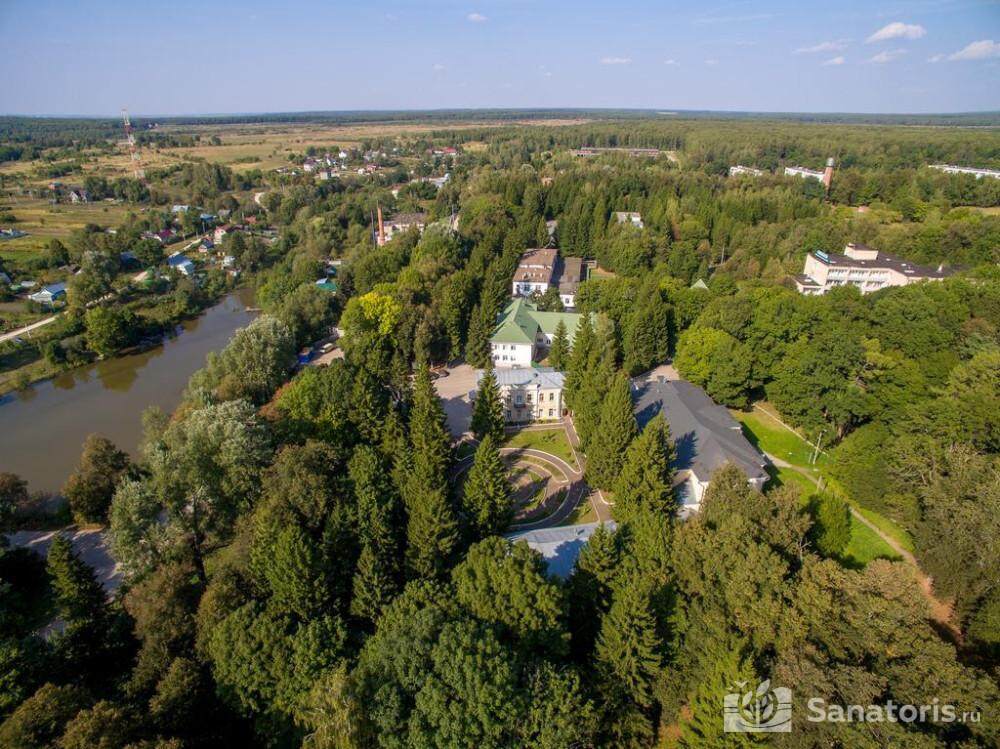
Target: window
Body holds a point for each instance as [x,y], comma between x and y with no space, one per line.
[552,396]
[550,413]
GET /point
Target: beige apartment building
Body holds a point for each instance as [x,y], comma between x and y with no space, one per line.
[862,266]
[529,393]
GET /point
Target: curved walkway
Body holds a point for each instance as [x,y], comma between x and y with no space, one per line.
[27,328]
[578,490]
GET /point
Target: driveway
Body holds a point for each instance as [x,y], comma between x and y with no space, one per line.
[453,390]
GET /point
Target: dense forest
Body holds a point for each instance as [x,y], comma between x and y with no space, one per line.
[301,570]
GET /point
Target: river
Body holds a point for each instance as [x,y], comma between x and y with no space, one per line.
[42,429]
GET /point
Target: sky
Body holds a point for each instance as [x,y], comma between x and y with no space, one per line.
[93,57]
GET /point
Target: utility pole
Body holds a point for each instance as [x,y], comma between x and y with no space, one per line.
[815,455]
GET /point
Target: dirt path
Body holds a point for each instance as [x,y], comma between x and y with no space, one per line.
[27,328]
[941,612]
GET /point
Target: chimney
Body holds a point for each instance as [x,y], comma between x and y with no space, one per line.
[381,228]
[828,173]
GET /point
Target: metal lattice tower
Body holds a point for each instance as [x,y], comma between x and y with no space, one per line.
[133,149]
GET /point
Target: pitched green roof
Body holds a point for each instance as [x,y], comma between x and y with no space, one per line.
[520,322]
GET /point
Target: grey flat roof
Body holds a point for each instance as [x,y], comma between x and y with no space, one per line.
[705,435]
[560,546]
[544,376]
[884,260]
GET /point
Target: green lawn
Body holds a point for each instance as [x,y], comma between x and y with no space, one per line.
[547,440]
[887,526]
[582,513]
[773,438]
[864,546]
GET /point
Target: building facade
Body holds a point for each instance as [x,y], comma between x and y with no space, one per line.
[529,394]
[523,333]
[974,171]
[862,266]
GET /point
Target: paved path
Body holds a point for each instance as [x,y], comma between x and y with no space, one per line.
[578,491]
[27,328]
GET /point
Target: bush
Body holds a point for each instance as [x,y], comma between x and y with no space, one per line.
[831,529]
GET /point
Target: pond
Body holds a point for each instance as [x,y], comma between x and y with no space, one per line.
[42,429]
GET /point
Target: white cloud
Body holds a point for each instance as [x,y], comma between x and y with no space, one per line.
[898,30]
[833,46]
[936,58]
[616,60]
[838,60]
[671,61]
[981,50]
[438,67]
[711,61]
[888,56]
[477,18]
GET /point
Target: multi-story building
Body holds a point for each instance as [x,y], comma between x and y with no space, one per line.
[523,333]
[535,271]
[529,394]
[541,269]
[974,171]
[862,266]
[740,169]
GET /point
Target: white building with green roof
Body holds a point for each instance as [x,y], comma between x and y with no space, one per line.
[522,330]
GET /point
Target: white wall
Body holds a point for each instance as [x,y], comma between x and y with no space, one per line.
[511,354]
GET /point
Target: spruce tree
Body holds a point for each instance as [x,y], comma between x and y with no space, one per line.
[628,649]
[724,671]
[559,353]
[646,477]
[429,438]
[487,412]
[431,530]
[374,586]
[613,435]
[78,596]
[477,345]
[486,498]
[578,364]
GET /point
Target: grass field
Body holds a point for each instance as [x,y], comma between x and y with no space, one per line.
[773,438]
[547,440]
[583,513]
[864,546]
[43,221]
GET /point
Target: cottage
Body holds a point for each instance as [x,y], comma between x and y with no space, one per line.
[327,284]
[220,233]
[529,393]
[49,295]
[79,196]
[705,437]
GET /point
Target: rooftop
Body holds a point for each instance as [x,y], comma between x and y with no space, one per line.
[560,546]
[705,435]
[536,266]
[521,320]
[880,260]
[545,377]
[408,218]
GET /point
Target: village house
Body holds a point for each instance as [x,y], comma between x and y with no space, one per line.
[181,264]
[524,334]
[862,266]
[629,217]
[49,295]
[79,196]
[529,393]
[220,233]
[705,438]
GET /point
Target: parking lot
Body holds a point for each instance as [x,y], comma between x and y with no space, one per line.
[453,389]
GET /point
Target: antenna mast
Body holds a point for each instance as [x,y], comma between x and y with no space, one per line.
[133,149]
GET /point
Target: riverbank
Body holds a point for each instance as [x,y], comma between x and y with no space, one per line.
[159,319]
